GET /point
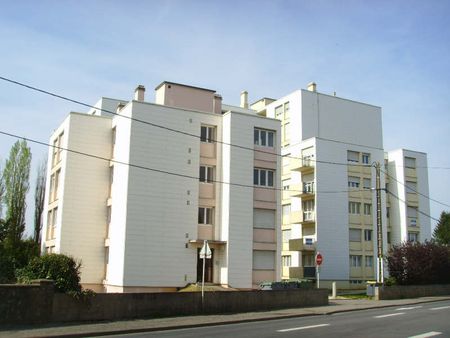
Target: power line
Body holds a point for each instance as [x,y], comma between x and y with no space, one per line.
[159,170]
[164,127]
[414,190]
[184,132]
[418,210]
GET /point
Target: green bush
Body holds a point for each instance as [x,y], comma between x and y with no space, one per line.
[62,269]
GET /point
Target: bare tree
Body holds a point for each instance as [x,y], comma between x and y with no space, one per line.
[39,196]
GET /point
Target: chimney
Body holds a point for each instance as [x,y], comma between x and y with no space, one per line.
[139,93]
[312,87]
[119,107]
[244,99]
[217,104]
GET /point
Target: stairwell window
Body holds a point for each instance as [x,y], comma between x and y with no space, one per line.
[355,261]
[353,182]
[207,134]
[367,209]
[365,158]
[206,174]
[367,235]
[352,156]
[205,215]
[354,235]
[369,261]
[264,138]
[354,208]
[263,177]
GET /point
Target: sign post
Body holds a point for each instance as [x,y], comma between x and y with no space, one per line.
[205,253]
[319,260]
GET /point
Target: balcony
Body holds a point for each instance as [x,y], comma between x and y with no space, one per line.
[302,244]
[302,272]
[303,190]
[303,217]
[304,164]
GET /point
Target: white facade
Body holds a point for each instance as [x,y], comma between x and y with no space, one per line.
[329,203]
[135,221]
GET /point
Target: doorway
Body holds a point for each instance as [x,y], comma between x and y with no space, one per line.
[208,267]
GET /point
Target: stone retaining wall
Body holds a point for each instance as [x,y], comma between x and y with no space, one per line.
[412,291]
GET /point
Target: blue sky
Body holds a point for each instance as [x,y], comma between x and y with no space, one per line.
[393,54]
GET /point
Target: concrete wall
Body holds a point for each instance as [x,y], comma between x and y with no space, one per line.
[37,304]
[413,291]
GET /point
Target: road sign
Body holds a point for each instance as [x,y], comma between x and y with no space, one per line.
[205,252]
[319,258]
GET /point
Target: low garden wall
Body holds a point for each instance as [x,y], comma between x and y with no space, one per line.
[412,291]
[39,304]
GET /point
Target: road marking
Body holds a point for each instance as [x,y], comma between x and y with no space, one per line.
[440,308]
[303,328]
[408,308]
[427,334]
[390,315]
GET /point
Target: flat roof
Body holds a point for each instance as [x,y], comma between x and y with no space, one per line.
[183,85]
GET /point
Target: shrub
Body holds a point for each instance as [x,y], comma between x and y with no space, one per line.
[62,269]
[419,263]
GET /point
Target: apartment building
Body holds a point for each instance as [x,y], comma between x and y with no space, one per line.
[134,188]
[328,202]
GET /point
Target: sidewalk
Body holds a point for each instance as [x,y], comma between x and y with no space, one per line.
[145,325]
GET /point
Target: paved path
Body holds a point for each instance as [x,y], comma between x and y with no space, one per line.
[144,325]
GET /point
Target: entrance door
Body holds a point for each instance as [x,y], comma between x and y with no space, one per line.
[208,267]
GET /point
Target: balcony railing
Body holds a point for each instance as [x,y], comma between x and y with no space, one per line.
[303,164]
[308,187]
[302,244]
[308,216]
[302,272]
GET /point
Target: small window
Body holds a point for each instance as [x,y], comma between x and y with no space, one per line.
[355,261]
[367,184]
[411,187]
[368,235]
[286,210]
[410,162]
[263,177]
[264,138]
[413,237]
[352,156]
[365,158]
[207,134]
[369,261]
[286,260]
[354,208]
[355,235]
[278,111]
[206,174]
[286,234]
[308,241]
[205,215]
[367,209]
[353,182]
[286,184]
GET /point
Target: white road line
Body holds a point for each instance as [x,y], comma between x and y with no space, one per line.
[440,308]
[303,328]
[390,315]
[427,334]
[408,308]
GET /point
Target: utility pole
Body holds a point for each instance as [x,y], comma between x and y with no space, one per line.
[380,275]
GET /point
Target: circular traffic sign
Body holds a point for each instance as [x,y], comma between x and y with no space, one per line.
[319,258]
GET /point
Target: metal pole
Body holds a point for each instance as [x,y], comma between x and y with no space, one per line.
[203,273]
[318,276]
[380,277]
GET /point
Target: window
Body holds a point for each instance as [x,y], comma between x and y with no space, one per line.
[263,260]
[353,182]
[286,260]
[263,177]
[286,234]
[413,237]
[410,162]
[286,210]
[57,175]
[411,187]
[57,148]
[108,214]
[264,138]
[207,134]
[367,184]
[286,110]
[354,208]
[355,235]
[389,237]
[367,235]
[309,241]
[365,158]
[278,111]
[205,215]
[388,212]
[206,174]
[367,209]
[54,217]
[369,261]
[113,141]
[412,216]
[352,156]
[355,261]
[286,132]
[308,260]
[52,188]
[264,218]
[308,205]
[286,184]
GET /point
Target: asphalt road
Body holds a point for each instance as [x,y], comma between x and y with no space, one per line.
[418,321]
